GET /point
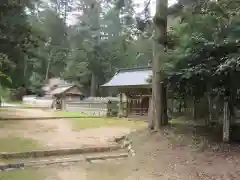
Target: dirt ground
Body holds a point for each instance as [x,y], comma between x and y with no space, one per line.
[158,157]
[171,156]
[57,133]
[165,155]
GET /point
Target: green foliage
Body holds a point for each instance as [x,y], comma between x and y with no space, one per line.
[206,53]
[99,45]
[37,43]
[5,93]
[16,39]
[26,174]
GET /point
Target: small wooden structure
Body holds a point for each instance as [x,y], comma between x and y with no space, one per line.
[133,83]
[64,93]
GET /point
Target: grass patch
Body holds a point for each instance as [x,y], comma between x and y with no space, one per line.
[4,124]
[27,174]
[182,121]
[12,144]
[70,114]
[21,104]
[85,123]
[5,113]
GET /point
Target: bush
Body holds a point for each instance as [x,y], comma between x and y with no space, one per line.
[5,93]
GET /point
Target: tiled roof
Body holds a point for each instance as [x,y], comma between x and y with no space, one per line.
[61,89]
[130,77]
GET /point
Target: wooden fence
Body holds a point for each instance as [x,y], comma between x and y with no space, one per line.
[92,108]
[38,101]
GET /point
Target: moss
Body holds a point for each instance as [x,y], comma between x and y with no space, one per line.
[13,144]
[27,174]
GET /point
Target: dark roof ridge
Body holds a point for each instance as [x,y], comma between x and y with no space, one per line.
[134,68]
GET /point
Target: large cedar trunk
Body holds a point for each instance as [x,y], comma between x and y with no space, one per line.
[159,97]
[150,115]
[164,104]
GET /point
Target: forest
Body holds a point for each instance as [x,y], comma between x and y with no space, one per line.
[81,41]
[85,41]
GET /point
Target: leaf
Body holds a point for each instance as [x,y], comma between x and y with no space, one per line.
[5,77]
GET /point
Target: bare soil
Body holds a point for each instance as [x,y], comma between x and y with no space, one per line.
[171,154]
[57,133]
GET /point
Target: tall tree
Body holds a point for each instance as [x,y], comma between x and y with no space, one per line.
[17,39]
[206,53]
[159,49]
[63,8]
[104,39]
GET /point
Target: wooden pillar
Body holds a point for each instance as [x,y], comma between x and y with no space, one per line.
[63,103]
[127,106]
[109,109]
[130,106]
[120,107]
[226,122]
[141,105]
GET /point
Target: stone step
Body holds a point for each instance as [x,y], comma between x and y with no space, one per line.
[42,162]
[60,152]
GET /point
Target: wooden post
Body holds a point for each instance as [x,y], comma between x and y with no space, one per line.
[63,103]
[130,106]
[127,106]
[141,105]
[226,122]
[120,112]
[109,109]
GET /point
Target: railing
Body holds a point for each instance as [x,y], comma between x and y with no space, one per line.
[38,101]
[139,111]
[90,108]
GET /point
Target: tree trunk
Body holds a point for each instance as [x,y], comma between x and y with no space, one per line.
[180,106]
[95,7]
[156,89]
[194,108]
[151,115]
[209,118]
[159,49]
[93,85]
[65,11]
[226,122]
[48,66]
[25,68]
[164,104]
